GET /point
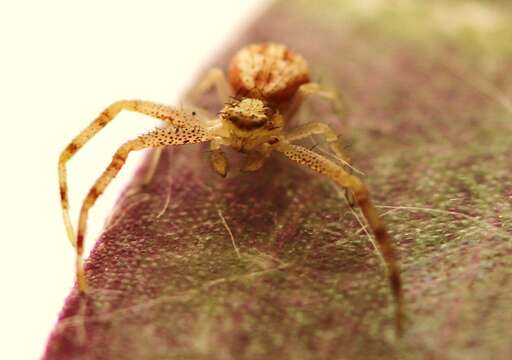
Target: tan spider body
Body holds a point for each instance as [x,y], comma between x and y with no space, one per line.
[267,83]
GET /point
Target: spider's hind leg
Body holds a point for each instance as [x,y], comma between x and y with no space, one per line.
[314,89]
[214,78]
[154,139]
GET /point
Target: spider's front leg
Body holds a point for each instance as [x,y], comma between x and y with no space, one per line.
[322,129]
[214,78]
[318,128]
[336,173]
[156,138]
[168,114]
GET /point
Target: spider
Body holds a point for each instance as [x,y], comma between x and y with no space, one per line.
[267,84]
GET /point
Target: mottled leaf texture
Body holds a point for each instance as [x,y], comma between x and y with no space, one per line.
[429,90]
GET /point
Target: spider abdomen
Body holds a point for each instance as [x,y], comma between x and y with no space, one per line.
[267,71]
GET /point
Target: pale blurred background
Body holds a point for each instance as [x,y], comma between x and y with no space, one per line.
[61,63]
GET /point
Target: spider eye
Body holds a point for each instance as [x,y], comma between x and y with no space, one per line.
[247,122]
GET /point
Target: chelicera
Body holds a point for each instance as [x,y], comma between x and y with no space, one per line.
[267,83]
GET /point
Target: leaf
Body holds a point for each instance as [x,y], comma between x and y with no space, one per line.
[273,265]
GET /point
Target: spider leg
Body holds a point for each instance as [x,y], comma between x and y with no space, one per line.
[256,158]
[322,129]
[214,77]
[168,114]
[336,173]
[218,158]
[319,128]
[156,138]
[312,88]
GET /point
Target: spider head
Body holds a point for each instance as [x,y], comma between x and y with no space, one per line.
[247,117]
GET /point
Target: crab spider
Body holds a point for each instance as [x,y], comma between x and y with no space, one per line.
[267,83]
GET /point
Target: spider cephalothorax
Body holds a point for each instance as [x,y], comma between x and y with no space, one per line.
[267,83]
[248,117]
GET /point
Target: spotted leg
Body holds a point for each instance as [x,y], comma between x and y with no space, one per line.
[213,78]
[156,138]
[336,173]
[170,115]
[319,128]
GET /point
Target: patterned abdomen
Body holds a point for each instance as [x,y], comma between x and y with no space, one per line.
[267,71]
